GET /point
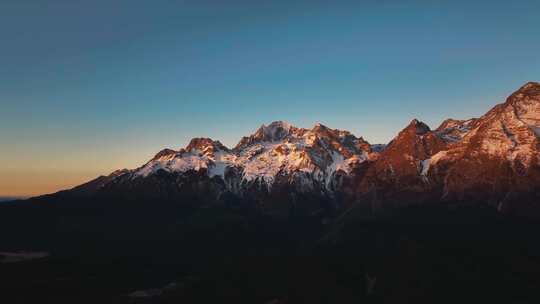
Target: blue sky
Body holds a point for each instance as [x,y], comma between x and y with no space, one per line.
[90,86]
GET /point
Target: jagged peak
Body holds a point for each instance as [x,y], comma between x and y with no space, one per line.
[418,126]
[279,124]
[119,172]
[530,85]
[324,131]
[276,130]
[275,125]
[530,89]
[163,153]
[450,123]
[318,126]
[201,143]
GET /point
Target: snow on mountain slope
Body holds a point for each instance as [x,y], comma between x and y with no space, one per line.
[509,130]
[404,164]
[493,158]
[498,156]
[452,131]
[278,149]
[201,153]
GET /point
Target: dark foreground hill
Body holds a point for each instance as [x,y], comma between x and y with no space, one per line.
[224,255]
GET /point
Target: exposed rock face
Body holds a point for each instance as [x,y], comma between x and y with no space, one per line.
[399,172]
[276,131]
[493,159]
[497,160]
[452,130]
[279,162]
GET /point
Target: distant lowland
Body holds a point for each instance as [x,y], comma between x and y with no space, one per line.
[10,198]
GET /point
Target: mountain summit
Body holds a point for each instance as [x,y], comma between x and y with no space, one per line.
[491,160]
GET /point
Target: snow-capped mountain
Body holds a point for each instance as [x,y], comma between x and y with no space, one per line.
[492,159]
[400,166]
[497,160]
[452,130]
[274,157]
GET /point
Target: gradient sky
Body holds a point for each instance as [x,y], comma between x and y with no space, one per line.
[87,87]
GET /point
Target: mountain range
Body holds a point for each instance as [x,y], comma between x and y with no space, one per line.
[296,215]
[492,160]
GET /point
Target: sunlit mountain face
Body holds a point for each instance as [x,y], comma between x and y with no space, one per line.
[491,160]
[269,152]
[297,215]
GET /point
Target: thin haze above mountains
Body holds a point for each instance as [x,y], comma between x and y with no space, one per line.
[103,84]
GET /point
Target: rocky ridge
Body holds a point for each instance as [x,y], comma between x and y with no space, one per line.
[493,159]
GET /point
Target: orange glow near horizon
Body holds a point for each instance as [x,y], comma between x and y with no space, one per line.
[34,183]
